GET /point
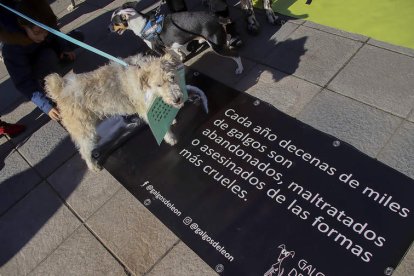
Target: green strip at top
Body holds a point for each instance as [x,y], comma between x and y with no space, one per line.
[390,21]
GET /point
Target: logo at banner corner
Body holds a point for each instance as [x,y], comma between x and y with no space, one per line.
[219,268]
[277,268]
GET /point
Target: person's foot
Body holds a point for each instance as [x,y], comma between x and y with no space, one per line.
[12,130]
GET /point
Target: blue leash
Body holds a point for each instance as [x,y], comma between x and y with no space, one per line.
[66,37]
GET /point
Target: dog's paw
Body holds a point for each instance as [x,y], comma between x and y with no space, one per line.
[97,168]
[253,28]
[253,25]
[94,166]
[272,18]
[170,139]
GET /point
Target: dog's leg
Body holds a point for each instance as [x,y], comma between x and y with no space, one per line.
[228,53]
[85,138]
[182,55]
[253,25]
[86,145]
[177,50]
[170,139]
[272,18]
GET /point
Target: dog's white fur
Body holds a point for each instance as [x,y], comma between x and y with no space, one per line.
[113,89]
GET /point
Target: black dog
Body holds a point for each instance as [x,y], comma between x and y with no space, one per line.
[173,31]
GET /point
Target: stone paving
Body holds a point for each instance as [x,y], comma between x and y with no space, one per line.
[57,218]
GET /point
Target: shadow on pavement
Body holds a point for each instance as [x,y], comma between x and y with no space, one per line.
[17,226]
[269,48]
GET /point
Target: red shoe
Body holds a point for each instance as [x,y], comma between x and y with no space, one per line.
[11,130]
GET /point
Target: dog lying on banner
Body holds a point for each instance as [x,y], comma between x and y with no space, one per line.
[85,99]
[173,31]
[253,25]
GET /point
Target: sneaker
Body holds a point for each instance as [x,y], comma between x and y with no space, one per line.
[12,130]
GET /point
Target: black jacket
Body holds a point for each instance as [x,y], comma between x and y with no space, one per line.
[19,52]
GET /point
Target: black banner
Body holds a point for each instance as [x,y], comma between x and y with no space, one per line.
[255,192]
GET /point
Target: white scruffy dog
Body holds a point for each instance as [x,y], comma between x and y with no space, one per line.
[113,89]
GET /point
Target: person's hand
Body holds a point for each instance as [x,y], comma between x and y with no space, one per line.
[54,114]
[35,33]
[68,56]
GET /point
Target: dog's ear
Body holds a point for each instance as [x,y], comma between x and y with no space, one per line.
[169,62]
[127,13]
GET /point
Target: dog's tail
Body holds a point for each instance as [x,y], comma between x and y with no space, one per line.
[53,85]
